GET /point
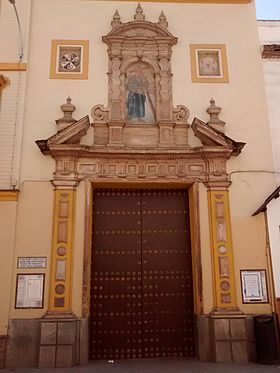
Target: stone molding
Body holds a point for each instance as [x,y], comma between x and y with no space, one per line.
[271,51]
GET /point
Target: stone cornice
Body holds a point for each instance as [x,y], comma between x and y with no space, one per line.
[90,152]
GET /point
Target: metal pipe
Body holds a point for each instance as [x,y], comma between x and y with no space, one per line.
[13,2]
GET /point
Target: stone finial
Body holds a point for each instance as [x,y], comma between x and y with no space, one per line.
[116,20]
[214,121]
[162,20]
[67,119]
[139,16]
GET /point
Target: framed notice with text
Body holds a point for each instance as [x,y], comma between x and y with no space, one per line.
[25,262]
[30,290]
[254,286]
[209,63]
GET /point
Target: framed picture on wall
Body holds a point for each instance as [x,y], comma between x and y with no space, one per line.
[30,290]
[254,286]
[69,59]
[209,63]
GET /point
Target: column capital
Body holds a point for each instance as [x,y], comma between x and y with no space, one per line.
[65,184]
[217,185]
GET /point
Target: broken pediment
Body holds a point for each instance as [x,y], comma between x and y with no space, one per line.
[212,133]
[69,130]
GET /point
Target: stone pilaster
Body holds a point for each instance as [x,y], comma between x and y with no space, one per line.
[228,332]
[59,328]
[222,250]
[62,245]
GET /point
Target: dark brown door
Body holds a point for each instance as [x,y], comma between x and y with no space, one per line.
[141,289]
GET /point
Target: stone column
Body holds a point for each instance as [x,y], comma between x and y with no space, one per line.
[60,327]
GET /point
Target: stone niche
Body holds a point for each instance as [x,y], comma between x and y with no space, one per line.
[140,110]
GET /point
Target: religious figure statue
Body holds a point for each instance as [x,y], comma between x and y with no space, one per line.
[138,91]
[137,85]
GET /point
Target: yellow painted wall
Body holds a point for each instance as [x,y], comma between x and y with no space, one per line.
[33,237]
[247,192]
[8,210]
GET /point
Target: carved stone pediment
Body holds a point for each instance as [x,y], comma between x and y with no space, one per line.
[140,110]
[138,30]
[209,136]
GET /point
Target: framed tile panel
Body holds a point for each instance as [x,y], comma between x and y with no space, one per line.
[69,59]
[209,63]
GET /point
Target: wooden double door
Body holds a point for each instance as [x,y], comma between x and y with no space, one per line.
[141,284]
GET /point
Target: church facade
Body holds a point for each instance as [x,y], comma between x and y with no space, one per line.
[138,152]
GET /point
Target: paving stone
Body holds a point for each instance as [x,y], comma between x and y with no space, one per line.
[179,365]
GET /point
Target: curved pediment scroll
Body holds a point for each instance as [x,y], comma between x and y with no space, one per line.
[140,106]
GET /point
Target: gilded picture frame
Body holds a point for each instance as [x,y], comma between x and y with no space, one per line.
[209,63]
[69,59]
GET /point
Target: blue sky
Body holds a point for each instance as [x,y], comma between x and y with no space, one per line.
[268,9]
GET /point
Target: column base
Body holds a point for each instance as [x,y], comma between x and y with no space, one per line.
[226,311]
[228,335]
[59,340]
[225,338]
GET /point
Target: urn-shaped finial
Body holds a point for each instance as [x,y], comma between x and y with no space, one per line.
[162,20]
[116,20]
[139,16]
[215,121]
[67,119]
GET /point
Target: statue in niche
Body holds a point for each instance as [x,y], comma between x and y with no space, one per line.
[140,97]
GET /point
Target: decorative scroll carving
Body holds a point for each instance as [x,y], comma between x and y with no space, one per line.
[181,114]
[100,114]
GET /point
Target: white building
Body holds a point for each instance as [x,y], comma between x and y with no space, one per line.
[269,34]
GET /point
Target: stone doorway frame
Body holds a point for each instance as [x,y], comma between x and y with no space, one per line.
[103,165]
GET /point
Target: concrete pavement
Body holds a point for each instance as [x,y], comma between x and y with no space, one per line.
[167,365]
